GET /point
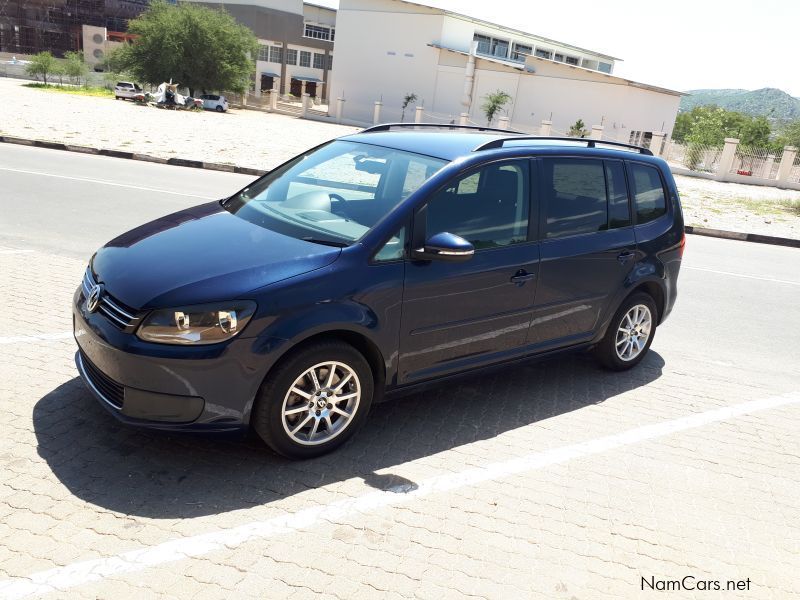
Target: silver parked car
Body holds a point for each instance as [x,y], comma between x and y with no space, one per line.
[214,102]
[126,89]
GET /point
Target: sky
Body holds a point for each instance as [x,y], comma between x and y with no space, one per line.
[678,44]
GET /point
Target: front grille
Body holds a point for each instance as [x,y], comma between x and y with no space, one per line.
[118,314]
[110,390]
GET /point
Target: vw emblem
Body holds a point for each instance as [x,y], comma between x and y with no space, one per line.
[93,299]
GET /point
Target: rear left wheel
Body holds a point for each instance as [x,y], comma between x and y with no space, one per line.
[314,400]
[219,108]
[630,333]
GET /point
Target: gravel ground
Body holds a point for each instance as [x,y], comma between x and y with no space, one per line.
[261,140]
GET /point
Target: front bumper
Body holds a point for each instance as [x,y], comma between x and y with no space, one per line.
[176,388]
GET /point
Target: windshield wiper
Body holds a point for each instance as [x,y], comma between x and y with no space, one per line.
[333,243]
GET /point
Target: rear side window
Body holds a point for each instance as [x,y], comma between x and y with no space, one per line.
[648,193]
[574,197]
[619,212]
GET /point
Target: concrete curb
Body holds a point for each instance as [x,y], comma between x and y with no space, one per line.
[228,168]
[178,162]
[743,237]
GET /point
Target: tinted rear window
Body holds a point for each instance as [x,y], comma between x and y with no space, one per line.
[648,192]
[574,196]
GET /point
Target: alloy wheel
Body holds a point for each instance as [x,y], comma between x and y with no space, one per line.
[633,332]
[321,403]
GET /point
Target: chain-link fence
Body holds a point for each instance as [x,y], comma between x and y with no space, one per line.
[756,161]
[695,157]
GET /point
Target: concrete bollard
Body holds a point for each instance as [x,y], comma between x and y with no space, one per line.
[503,122]
[305,102]
[339,109]
[597,132]
[376,113]
[273,98]
[545,127]
[418,115]
[463,119]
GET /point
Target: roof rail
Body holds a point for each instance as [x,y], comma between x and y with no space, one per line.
[590,143]
[389,126]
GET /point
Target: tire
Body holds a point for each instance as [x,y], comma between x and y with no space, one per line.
[219,108]
[626,351]
[116,97]
[290,386]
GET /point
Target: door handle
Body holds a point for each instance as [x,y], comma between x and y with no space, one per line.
[522,276]
[625,256]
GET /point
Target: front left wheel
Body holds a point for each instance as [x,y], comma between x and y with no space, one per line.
[314,400]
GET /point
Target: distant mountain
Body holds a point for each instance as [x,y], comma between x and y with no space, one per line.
[775,104]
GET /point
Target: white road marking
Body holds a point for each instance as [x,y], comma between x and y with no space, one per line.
[112,183]
[38,337]
[743,275]
[73,575]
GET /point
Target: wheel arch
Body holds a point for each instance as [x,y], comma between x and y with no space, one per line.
[361,342]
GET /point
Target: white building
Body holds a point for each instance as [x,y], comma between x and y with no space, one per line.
[386,49]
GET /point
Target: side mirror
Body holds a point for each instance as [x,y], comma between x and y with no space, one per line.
[445,246]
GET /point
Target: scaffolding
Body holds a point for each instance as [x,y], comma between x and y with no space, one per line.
[31,26]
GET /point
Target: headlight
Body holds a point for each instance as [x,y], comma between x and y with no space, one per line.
[205,324]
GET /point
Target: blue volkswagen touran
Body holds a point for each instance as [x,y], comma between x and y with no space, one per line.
[372,264]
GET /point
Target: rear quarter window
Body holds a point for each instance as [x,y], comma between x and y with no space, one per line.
[648,193]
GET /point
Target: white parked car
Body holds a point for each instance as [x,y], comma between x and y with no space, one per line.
[126,89]
[214,102]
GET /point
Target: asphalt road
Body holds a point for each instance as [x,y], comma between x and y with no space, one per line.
[546,480]
[73,203]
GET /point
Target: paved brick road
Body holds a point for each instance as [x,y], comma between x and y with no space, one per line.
[717,501]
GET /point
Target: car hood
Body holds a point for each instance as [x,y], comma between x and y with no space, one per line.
[202,254]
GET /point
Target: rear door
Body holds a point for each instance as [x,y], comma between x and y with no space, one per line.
[588,247]
[459,315]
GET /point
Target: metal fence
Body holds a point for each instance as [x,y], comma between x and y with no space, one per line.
[695,157]
[794,173]
[756,162]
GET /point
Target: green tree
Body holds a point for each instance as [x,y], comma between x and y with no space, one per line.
[74,67]
[789,136]
[755,131]
[42,65]
[578,129]
[407,99]
[201,48]
[494,103]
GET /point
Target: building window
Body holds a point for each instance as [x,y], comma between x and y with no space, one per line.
[291,56]
[319,61]
[571,60]
[520,52]
[542,53]
[558,57]
[604,67]
[305,58]
[484,42]
[330,62]
[318,32]
[275,54]
[263,53]
[491,46]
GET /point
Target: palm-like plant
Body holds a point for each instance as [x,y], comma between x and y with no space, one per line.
[494,103]
[407,99]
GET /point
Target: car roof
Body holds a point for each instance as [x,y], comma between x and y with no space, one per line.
[451,144]
[448,145]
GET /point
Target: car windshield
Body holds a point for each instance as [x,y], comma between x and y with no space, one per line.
[334,194]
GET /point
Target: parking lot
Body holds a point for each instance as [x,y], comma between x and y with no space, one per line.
[545,480]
